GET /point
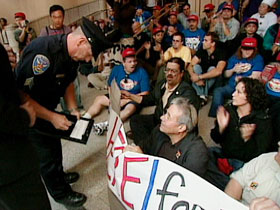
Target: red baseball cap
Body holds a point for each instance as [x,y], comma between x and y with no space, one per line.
[157,29]
[128,52]
[249,42]
[193,17]
[252,20]
[173,13]
[20,14]
[208,7]
[157,8]
[228,6]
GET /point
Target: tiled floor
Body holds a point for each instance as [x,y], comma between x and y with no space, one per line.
[89,160]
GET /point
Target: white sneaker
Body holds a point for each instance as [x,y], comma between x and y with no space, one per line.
[100,128]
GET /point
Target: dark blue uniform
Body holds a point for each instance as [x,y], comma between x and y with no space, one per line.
[44,72]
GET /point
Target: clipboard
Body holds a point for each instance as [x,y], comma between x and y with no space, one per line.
[46,128]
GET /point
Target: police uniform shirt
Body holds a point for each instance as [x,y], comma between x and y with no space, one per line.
[46,70]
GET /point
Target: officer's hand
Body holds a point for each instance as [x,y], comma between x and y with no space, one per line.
[76,113]
[60,121]
[31,112]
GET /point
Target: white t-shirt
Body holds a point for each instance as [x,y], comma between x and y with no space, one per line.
[265,22]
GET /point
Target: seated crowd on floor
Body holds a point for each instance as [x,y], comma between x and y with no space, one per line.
[178,62]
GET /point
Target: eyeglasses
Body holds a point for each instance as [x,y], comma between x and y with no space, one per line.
[173,71]
[174,40]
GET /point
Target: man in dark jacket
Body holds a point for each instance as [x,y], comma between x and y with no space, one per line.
[171,87]
[20,183]
[176,140]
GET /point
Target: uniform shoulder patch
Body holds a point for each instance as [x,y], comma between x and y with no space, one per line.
[40,64]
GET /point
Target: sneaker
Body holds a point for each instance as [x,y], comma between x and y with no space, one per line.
[203,100]
[100,128]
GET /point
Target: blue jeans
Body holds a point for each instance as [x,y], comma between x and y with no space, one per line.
[203,90]
[219,96]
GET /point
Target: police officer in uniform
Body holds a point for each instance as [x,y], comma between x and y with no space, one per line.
[46,71]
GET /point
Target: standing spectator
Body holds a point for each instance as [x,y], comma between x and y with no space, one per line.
[246,63]
[206,66]
[206,21]
[225,25]
[57,27]
[194,36]
[265,17]
[3,38]
[24,34]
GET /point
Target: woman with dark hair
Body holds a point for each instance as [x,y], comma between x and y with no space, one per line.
[243,129]
[245,63]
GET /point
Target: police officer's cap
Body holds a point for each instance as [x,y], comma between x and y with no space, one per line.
[95,37]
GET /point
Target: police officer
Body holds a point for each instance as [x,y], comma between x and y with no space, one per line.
[46,71]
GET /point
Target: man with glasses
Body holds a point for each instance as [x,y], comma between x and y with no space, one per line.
[175,139]
[169,88]
[177,50]
[206,66]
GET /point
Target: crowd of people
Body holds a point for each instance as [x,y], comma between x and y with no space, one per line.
[178,62]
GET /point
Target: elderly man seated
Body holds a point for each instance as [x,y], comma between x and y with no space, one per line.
[129,77]
[259,177]
[176,140]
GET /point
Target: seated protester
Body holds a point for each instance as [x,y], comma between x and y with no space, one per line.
[259,177]
[157,22]
[206,66]
[243,129]
[265,17]
[183,16]
[152,52]
[177,50]
[225,25]
[103,27]
[169,88]
[139,39]
[128,77]
[251,27]
[175,139]
[172,20]
[246,63]
[272,85]
[209,14]
[169,34]
[141,16]
[99,80]
[193,35]
[263,203]
[271,43]
[235,4]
